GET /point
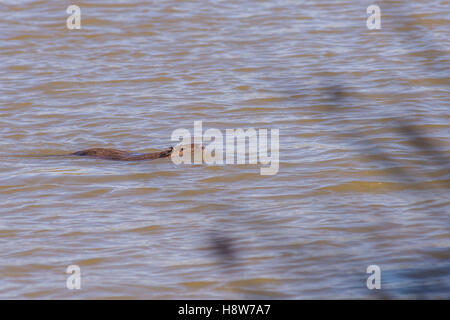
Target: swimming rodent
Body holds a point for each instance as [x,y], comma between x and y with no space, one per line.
[120,155]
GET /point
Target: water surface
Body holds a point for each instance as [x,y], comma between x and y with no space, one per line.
[137,70]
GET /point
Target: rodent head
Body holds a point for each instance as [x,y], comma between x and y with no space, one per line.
[179,150]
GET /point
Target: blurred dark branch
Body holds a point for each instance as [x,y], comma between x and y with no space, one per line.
[421,143]
[371,150]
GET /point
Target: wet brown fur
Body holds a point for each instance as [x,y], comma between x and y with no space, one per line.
[120,155]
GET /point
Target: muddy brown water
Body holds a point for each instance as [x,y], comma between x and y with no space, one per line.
[136,71]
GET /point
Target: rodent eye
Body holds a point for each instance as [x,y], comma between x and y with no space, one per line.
[182,149]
